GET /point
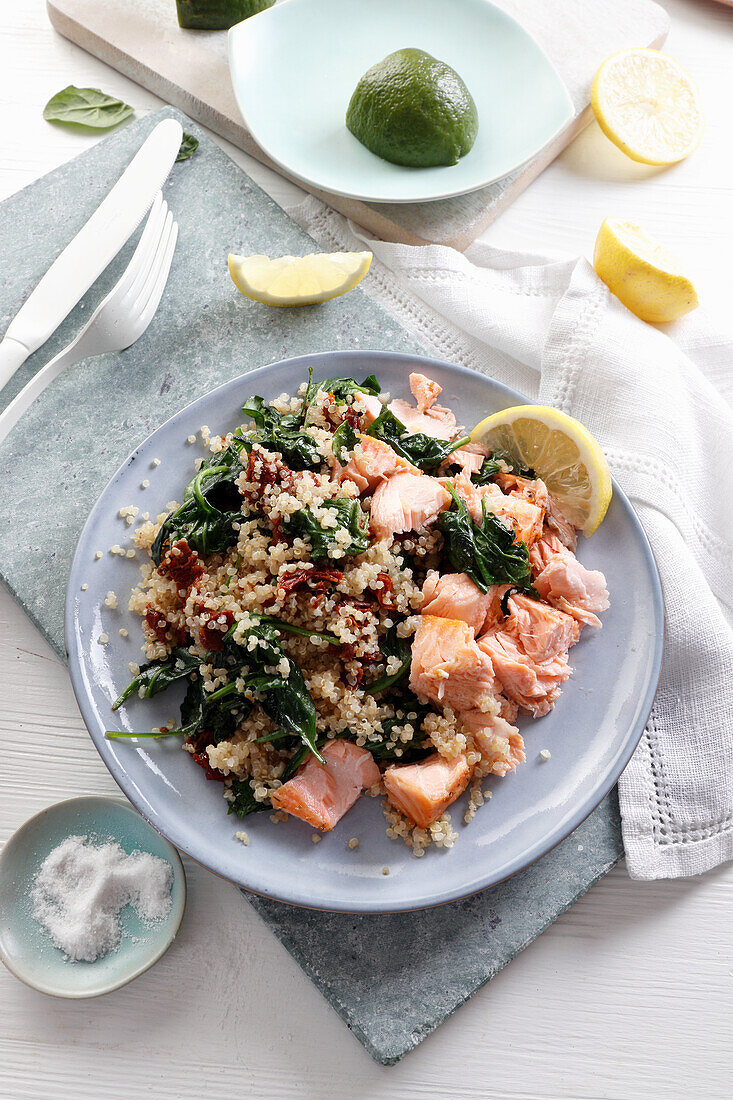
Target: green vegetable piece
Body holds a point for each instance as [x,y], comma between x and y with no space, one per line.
[282,434]
[341,388]
[487,553]
[392,646]
[244,802]
[189,145]
[158,675]
[217,15]
[414,110]
[423,451]
[87,107]
[351,517]
[344,441]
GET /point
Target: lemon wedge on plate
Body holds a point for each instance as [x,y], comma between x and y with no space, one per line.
[298,280]
[641,273]
[560,451]
[648,106]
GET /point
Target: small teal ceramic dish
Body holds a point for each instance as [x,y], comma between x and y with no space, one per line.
[294,68]
[26,947]
[591,734]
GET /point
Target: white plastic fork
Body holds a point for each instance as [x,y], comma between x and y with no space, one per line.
[122,317]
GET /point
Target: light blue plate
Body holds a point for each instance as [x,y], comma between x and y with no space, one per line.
[294,68]
[28,950]
[591,733]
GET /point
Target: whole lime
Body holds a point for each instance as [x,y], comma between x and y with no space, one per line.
[414,110]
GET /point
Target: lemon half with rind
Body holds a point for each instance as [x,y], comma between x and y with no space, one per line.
[298,280]
[643,274]
[647,104]
[560,451]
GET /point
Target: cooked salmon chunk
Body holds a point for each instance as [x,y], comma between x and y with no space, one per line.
[542,631]
[499,742]
[424,790]
[455,596]
[320,794]
[470,457]
[406,502]
[572,588]
[447,665]
[428,417]
[534,685]
[371,463]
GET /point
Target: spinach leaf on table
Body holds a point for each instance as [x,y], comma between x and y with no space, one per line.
[189,145]
[486,552]
[423,451]
[351,517]
[86,107]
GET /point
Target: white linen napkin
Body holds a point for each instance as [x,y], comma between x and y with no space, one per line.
[656,402]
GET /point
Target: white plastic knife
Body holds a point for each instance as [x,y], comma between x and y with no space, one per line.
[92,249]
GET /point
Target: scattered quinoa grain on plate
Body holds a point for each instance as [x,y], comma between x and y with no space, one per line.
[357,599]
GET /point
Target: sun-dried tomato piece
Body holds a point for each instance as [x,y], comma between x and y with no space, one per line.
[319,578]
[384,594]
[159,628]
[211,631]
[181,564]
[264,470]
[202,759]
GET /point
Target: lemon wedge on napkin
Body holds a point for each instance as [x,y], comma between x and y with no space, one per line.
[648,106]
[557,448]
[298,280]
[641,273]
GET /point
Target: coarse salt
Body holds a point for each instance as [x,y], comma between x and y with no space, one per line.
[81,888]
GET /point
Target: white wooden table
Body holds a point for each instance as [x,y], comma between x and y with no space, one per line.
[629,995]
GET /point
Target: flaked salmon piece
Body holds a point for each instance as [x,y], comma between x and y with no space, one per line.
[544,549]
[447,665]
[470,457]
[508,709]
[321,794]
[428,417]
[572,588]
[520,515]
[542,631]
[406,502]
[372,462]
[372,407]
[424,790]
[534,685]
[560,524]
[425,391]
[499,742]
[438,422]
[531,489]
[455,596]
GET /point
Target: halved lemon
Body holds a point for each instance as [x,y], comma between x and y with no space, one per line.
[560,451]
[298,280]
[642,273]
[648,106]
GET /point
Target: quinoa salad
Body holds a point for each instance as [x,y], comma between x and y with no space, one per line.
[357,600]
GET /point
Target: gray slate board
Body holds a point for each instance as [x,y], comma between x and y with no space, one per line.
[392,979]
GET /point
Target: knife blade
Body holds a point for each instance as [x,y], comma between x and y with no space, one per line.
[92,249]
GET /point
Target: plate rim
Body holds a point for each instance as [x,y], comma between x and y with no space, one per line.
[240,28]
[375,905]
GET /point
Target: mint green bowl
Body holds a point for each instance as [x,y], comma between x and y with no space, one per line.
[295,66]
[27,949]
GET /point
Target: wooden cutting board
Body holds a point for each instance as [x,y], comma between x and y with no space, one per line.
[142,39]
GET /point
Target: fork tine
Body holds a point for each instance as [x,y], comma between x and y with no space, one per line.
[162,278]
[157,230]
[151,275]
[140,255]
